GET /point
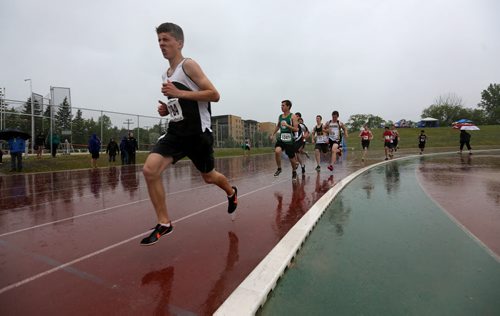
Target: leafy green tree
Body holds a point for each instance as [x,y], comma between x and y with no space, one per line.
[490,102]
[106,128]
[356,121]
[446,108]
[78,129]
[13,119]
[63,117]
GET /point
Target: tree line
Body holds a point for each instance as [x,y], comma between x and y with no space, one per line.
[447,109]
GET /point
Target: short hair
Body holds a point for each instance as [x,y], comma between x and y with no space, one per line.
[288,103]
[335,113]
[171,28]
[320,117]
[298,114]
[422,131]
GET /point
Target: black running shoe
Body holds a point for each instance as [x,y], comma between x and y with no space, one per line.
[294,175]
[318,168]
[232,202]
[159,231]
[277,173]
[304,169]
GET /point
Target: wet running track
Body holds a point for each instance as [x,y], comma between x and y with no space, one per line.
[69,241]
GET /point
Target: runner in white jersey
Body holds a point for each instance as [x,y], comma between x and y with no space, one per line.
[320,139]
[189,94]
[300,142]
[334,128]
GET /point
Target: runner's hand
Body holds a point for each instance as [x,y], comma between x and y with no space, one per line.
[162,108]
[170,90]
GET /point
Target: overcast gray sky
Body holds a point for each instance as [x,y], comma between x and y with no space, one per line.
[390,58]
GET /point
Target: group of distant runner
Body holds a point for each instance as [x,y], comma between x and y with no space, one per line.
[291,134]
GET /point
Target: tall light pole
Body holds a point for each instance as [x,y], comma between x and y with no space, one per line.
[32,116]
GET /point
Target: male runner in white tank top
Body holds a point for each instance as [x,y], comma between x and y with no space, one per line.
[189,93]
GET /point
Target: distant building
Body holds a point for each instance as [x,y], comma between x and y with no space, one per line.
[267,127]
[231,130]
[227,130]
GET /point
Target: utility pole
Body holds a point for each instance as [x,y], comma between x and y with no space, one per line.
[128,122]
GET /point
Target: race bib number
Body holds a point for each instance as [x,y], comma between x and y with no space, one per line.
[387,137]
[365,137]
[321,139]
[175,110]
[334,134]
[286,137]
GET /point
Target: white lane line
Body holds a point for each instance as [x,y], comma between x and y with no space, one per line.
[452,218]
[95,253]
[90,213]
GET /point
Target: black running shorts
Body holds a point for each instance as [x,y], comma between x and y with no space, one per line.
[365,143]
[198,148]
[323,147]
[289,149]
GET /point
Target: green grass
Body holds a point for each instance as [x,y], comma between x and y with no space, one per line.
[439,139]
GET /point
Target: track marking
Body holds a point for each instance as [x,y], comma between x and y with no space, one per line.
[452,218]
[95,253]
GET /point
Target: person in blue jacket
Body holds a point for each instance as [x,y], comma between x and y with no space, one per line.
[16,145]
[124,150]
[94,149]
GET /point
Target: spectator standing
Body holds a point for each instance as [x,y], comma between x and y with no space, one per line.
[94,149]
[39,144]
[54,144]
[132,148]
[16,145]
[67,147]
[124,150]
[111,150]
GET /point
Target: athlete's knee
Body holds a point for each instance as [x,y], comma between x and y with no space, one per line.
[209,177]
[150,173]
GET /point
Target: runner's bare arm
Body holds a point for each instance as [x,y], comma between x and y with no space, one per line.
[207,90]
[271,137]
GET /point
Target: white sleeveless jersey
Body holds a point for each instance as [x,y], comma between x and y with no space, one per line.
[187,117]
[334,130]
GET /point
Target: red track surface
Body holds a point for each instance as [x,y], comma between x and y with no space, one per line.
[69,241]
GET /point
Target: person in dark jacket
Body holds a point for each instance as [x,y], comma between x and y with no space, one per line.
[94,149]
[54,144]
[465,140]
[39,145]
[124,150]
[16,145]
[112,149]
[132,148]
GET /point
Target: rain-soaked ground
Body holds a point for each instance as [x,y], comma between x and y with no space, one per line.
[413,237]
[69,241]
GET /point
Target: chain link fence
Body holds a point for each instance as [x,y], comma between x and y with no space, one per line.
[76,124]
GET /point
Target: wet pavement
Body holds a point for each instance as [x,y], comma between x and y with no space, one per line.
[413,237]
[69,241]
